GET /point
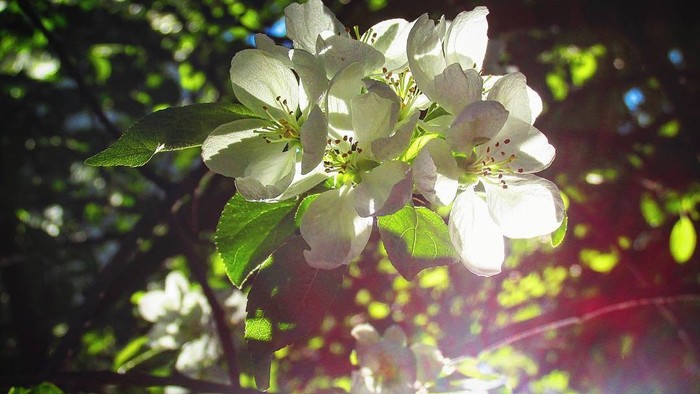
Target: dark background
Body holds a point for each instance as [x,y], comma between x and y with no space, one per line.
[619,81]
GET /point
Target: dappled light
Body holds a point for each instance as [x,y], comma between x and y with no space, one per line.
[238,196]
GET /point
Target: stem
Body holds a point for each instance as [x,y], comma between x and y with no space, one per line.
[199,270]
[580,319]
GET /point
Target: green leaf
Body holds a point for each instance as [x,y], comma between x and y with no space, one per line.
[288,299]
[683,240]
[129,351]
[249,231]
[652,212]
[415,239]
[557,237]
[167,130]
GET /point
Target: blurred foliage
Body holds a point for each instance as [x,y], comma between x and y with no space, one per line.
[619,83]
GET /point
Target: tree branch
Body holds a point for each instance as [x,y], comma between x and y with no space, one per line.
[95,381]
[199,270]
[538,329]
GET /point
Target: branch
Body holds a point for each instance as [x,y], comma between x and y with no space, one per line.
[199,270]
[580,319]
[95,381]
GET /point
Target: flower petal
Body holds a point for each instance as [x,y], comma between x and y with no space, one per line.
[231,148]
[365,334]
[390,39]
[268,177]
[342,89]
[303,182]
[476,124]
[373,117]
[475,236]
[334,230]
[313,135]
[435,172]
[312,78]
[508,90]
[531,206]
[336,52]
[454,89]
[424,52]
[384,190]
[256,89]
[265,43]
[306,21]
[152,305]
[529,147]
[466,39]
[395,145]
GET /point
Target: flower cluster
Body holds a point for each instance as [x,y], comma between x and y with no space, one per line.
[182,322]
[374,119]
[388,365]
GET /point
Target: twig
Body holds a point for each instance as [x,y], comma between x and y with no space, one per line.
[570,321]
[95,381]
[200,273]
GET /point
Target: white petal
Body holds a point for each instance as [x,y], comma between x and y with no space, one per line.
[365,334]
[395,145]
[534,102]
[395,334]
[152,305]
[475,236]
[303,183]
[391,37]
[454,89]
[232,147]
[306,21]
[476,124]
[259,78]
[531,206]
[313,135]
[384,190]
[466,39]
[435,173]
[336,52]
[424,52]
[268,176]
[265,43]
[312,77]
[429,362]
[373,117]
[511,91]
[342,89]
[334,230]
[532,151]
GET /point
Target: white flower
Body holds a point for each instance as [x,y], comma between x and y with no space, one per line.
[179,313]
[266,154]
[364,138]
[491,150]
[389,365]
[445,61]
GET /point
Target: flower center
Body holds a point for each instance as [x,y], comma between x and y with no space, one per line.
[284,129]
[344,158]
[494,162]
[403,84]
